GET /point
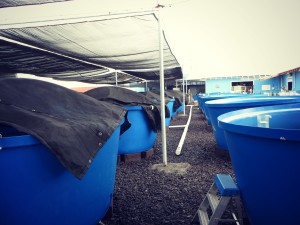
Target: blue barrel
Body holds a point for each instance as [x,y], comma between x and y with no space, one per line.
[204,99]
[170,106]
[36,189]
[140,137]
[264,148]
[218,107]
[181,108]
[199,99]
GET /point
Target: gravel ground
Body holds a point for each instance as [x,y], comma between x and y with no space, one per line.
[144,195]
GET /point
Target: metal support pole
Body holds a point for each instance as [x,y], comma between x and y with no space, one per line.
[186,89]
[183,92]
[146,87]
[162,89]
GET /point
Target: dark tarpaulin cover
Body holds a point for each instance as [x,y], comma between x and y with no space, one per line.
[177,94]
[122,96]
[13,3]
[72,125]
[168,94]
[155,97]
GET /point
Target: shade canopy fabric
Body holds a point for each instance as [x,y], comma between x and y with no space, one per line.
[125,43]
[13,3]
[17,58]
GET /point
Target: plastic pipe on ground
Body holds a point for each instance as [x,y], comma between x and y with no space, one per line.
[178,150]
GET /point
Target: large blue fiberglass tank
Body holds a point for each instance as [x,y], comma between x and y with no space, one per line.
[140,137]
[168,101]
[143,117]
[36,189]
[205,98]
[219,107]
[58,157]
[264,148]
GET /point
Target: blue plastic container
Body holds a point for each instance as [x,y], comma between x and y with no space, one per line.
[181,108]
[204,99]
[264,148]
[218,107]
[170,106]
[36,189]
[140,137]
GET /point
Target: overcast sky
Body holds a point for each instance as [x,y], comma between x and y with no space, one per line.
[208,37]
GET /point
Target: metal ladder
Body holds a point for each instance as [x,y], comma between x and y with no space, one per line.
[222,192]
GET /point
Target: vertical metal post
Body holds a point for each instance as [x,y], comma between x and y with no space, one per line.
[183,92]
[162,89]
[186,87]
[146,86]
[116,73]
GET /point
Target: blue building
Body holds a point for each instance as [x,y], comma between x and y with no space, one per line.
[283,83]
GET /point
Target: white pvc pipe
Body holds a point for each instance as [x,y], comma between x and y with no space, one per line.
[116,78]
[179,148]
[162,90]
[177,126]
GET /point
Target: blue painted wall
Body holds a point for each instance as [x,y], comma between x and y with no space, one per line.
[219,85]
[275,85]
[297,81]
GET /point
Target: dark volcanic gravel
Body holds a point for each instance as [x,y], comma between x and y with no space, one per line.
[144,196]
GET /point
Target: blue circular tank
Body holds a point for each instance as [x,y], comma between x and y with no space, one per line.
[218,107]
[170,105]
[140,137]
[36,189]
[264,145]
[204,99]
[181,108]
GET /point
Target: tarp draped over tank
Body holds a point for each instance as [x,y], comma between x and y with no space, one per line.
[178,95]
[122,96]
[156,98]
[72,125]
[170,94]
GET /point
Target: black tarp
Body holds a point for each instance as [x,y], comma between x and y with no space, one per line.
[13,3]
[177,102]
[175,94]
[122,96]
[72,125]
[155,96]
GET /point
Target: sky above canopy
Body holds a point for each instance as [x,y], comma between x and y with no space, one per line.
[210,38]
